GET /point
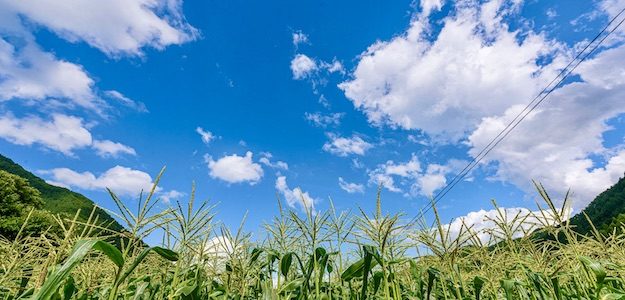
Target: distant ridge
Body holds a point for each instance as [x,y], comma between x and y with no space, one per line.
[60,200]
[607,211]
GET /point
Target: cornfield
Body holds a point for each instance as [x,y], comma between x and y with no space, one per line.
[314,255]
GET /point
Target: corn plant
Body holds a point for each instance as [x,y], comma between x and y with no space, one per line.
[314,254]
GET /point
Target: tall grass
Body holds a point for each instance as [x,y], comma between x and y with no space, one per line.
[314,255]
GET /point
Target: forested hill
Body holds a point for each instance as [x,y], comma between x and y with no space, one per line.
[59,200]
[607,211]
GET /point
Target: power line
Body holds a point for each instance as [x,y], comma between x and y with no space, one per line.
[559,79]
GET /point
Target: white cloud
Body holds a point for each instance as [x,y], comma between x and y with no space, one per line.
[106,148]
[468,81]
[551,13]
[351,187]
[206,135]
[384,173]
[218,247]
[427,6]
[217,252]
[321,120]
[63,133]
[41,80]
[295,197]
[235,169]
[302,66]
[28,73]
[114,26]
[121,180]
[171,195]
[134,105]
[482,223]
[433,180]
[299,38]
[554,145]
[475,67]
[612,7]
[342,146]
[266,160]
[410,178]
[332,67]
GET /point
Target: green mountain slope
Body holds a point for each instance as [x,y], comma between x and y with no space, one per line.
[59,200]
[607,211]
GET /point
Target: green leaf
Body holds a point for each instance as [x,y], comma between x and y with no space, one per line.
[111,251]
[377,279]
[320,253]
[613,296]
[69,289]
[255,254]
[166,253]
[508,287]
[367,266]
[291,285]
[353,270]
[433,274]
[556,288]
[356,270]
[478,284]
[595,267]
[186,289]
[54,280]
[329,267]
[285,263]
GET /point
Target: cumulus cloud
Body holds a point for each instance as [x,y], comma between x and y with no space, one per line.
[235,169]
[343,146]
[63,133]
[218,250]
[555,144]
[206,135]
[28,73]
[168,196]
[475,67]
[482,223]
[114,27]
[302,66]
[351,187]
[468,80]
[427,6]
[121,180]
[324,120]
[295,197]
[432,180]
[410,178]
[39,79]
[106,148]
[386,173]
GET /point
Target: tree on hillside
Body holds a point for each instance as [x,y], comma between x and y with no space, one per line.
[17,200]
[604,210]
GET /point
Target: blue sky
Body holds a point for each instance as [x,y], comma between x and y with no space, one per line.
[322,99]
